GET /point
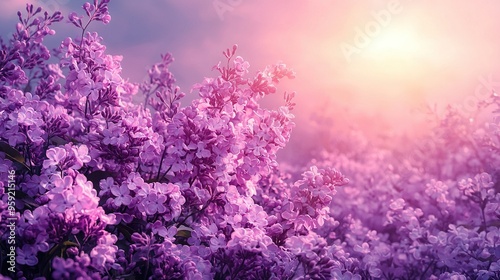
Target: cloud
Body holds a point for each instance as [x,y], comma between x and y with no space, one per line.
[459,37]
[11,7]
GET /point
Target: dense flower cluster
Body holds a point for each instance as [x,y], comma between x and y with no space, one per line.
[111,189]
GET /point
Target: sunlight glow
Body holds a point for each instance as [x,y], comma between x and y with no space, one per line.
[398,54]
[397,42]
[389,73]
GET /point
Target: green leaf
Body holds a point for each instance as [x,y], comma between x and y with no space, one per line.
[28,200]
[70,244]
[58,141]
[126,231]
[184,231]
[13,154]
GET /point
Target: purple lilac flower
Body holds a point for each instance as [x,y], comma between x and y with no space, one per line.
[112,189]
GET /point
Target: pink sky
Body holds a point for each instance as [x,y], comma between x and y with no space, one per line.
[428,51]
[432,51]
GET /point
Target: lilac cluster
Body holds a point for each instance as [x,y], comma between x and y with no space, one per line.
[109,189]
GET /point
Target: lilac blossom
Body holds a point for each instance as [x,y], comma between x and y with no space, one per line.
[109,189]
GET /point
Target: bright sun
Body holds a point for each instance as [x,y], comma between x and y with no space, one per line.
[396,60]
[396,42]
[397,53]
[394,70]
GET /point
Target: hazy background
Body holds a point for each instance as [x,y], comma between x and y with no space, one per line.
[418,52]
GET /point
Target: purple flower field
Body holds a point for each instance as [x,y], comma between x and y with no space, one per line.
[96,185]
